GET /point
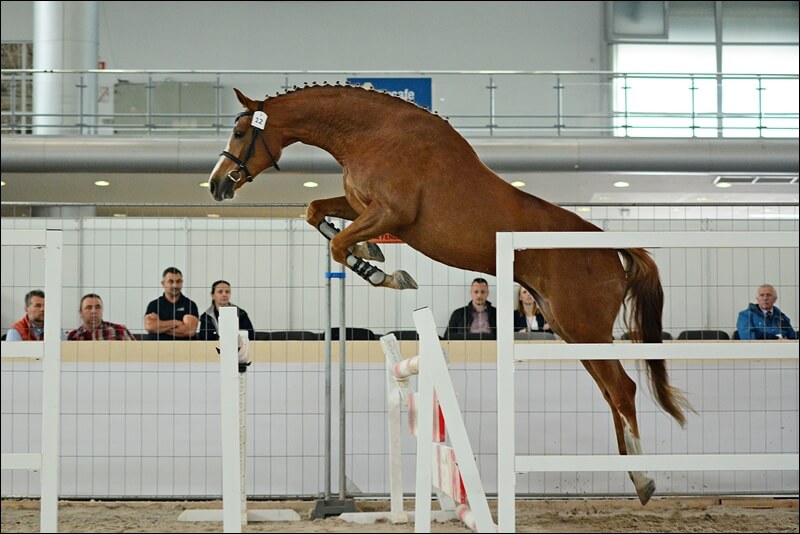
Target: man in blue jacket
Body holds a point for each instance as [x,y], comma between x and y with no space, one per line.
[764,320]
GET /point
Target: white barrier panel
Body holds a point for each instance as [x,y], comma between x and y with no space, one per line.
[46,462]
[508,463]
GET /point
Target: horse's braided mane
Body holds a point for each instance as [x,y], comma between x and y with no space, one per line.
[348,87]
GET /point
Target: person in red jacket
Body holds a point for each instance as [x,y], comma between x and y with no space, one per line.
[31,326]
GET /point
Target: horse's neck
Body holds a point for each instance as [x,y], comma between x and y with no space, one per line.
[325,121]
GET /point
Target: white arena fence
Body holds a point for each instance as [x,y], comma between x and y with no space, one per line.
[510,463]
[48,352]
[142,419]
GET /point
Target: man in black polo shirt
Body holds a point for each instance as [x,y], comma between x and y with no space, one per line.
[172,315]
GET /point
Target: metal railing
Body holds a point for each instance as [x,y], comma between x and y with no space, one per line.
[477,103]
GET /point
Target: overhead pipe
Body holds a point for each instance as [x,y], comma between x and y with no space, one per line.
[45,154]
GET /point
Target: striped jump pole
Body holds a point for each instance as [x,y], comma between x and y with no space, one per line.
[439,466]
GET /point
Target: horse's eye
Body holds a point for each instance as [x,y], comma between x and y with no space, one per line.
[238,135]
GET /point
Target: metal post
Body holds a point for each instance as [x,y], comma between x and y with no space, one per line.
[328,345]
[218,93]
[559,87]
[491,87]
[150,88]
[328,506]
[342,397]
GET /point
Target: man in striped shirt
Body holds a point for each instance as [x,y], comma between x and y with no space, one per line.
[94,327]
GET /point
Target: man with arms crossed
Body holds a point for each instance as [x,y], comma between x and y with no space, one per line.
[172,315]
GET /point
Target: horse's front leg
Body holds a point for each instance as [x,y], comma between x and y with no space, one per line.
[373,221]
[339,207]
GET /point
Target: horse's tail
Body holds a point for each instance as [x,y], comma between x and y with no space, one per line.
[643,305]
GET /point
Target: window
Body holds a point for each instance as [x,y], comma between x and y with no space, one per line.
[17,89]
[756,52]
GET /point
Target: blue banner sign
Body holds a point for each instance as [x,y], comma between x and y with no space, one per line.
[417,90]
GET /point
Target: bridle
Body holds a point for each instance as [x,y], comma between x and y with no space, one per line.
[236,175]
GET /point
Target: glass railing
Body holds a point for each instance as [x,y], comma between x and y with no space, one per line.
[477,103]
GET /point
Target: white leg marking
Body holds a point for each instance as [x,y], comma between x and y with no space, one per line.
[634,446]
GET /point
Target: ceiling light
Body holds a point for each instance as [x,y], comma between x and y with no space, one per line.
[518,183]
[213,215]
[723,185]
[621,184]
[203,184]
[120,215]
[2,183]
[102,183]
[310,184]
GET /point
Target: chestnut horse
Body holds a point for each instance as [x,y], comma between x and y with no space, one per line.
[409,173]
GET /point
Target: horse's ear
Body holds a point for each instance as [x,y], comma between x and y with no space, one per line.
[243,99]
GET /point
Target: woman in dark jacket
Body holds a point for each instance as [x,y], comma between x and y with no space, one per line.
[209,321]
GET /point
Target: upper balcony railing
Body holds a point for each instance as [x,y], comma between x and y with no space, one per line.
[477,103]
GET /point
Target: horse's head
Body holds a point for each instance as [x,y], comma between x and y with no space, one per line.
[253,147]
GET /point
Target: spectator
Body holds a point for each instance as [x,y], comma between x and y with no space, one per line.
[31,326]
[172,315]
[527,317]
[94,327]
[221,296]
[764,320]
[476,320]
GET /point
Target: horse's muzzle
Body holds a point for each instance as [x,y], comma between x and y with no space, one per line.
[220,189]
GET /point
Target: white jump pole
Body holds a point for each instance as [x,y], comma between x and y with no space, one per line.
[234,360]
[434,376]
[455,476]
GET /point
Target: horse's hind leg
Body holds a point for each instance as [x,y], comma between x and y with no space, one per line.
[339,207]
[620,392]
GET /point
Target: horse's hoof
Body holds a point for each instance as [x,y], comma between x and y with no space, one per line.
[647,492]
[367,251]
[402,280]
[374,252]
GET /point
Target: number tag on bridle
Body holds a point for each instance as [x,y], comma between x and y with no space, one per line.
[259,120]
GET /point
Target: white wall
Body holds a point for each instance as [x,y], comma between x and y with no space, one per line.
[277,266]
[353,35]
[132,427]
[358,36]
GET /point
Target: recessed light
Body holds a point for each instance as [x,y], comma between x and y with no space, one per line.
[203,184]
[723,185]
[120,215]
[583,210]
[102,183]
[2,183]
[310,184]
[621,184]
[518,183]
[213,215]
